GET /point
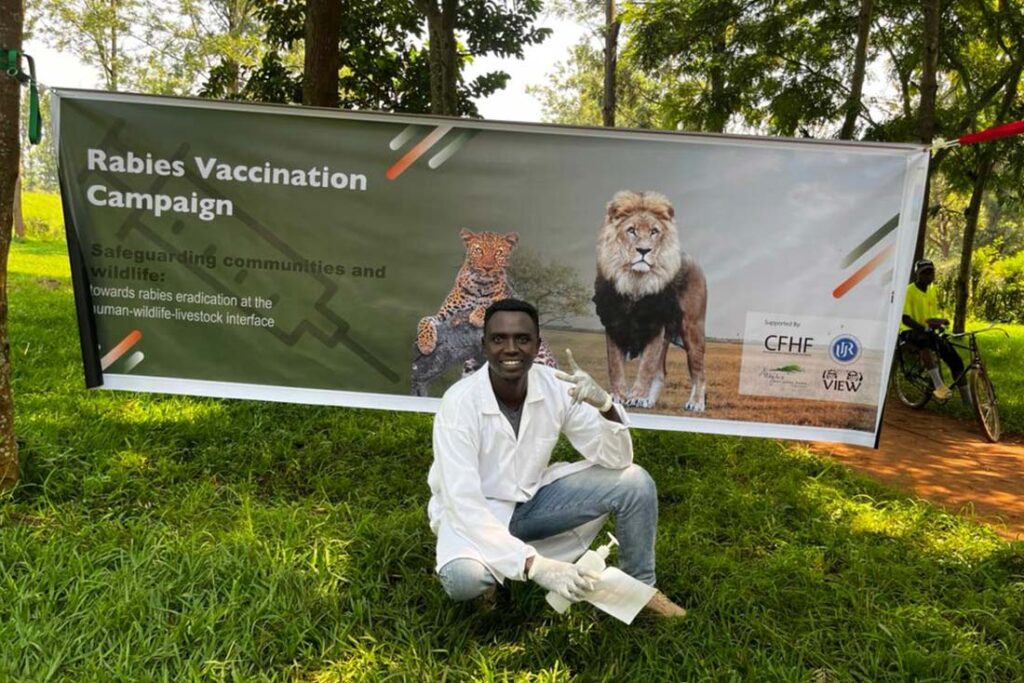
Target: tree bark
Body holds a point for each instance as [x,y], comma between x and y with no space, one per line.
[963,277]
[320,62]
[19,216]
[926,114]
[611,58]
[112,72]
[443,55]
[853,103]
[720,110]
[12,17]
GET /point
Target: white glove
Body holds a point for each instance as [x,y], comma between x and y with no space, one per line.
[586,389]
[565,579]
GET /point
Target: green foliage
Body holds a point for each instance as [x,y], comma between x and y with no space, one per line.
[996,285]
[779,67]
[186,539]
[575,90]
[999,292]
[383,62]
[38,162]
[44,218]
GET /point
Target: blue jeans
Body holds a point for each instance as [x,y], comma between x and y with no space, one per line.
[628,494]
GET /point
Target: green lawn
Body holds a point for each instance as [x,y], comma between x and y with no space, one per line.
[178,539]
[44,218]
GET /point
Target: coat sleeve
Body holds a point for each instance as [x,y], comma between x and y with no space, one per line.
[600,441]
[464,505]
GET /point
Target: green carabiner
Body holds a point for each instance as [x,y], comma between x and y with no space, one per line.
[12,64]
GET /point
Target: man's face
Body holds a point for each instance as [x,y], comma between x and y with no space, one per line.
[511,342]
[925,276]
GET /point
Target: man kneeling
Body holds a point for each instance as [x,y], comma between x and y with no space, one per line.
[498,509]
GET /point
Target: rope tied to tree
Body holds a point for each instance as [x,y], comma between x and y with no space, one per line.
[993,133]
[10,61]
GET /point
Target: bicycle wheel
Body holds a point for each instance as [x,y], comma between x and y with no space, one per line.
[983,396]
[911,380]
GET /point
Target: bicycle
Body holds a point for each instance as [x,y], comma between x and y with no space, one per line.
[914,386]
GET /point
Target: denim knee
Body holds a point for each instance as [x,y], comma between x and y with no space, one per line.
[464,579]
[639,483]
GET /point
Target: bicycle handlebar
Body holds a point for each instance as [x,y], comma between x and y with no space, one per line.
[990,328]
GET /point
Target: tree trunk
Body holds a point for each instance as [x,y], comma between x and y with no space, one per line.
[963,277]
[19,216]
[611,58]
[443,56]
[12,16]
[320,64]
[449,59]
[926,115]
[112,72]
[853,104]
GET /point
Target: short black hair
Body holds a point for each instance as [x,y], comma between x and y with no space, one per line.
[515,306]
[923,264]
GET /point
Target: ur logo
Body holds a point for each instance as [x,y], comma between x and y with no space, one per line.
[844,349]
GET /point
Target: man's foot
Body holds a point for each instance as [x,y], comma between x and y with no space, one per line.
[942,392]
[661,606]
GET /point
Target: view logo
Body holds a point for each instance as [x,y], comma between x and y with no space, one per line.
[843,381]
[844,349]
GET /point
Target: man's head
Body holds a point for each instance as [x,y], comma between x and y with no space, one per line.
[924,272]
[513,306]
[511,338]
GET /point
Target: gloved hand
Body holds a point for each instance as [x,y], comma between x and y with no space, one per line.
[586,388]
[565,579]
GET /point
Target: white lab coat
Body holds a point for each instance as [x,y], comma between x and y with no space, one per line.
[481,470]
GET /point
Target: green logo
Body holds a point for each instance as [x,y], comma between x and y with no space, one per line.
[788,368]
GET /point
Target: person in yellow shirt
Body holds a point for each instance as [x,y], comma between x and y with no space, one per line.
[920,325]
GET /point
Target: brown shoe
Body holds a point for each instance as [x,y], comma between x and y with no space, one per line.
[661,606]
[488,601]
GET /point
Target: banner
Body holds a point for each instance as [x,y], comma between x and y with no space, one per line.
[723,284]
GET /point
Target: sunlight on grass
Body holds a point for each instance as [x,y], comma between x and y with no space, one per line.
[931,529]
[40,259]
[132,461]
[141,411]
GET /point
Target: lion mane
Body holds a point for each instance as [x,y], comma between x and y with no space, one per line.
[648,294]
[639,220]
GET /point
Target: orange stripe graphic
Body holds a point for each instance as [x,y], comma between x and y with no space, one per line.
[862,272]
[128,342]
[416,152]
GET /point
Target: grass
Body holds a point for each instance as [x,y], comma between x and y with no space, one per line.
[159,538]
[44,218]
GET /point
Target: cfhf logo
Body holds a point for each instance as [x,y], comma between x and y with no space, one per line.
[780,343]
[844,349]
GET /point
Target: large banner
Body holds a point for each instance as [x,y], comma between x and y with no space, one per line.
[721,284]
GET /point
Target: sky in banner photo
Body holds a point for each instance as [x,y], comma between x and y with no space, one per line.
[513,103]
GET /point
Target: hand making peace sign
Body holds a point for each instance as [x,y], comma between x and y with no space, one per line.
[585,388]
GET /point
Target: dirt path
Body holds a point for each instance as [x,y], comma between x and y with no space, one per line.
[946,461]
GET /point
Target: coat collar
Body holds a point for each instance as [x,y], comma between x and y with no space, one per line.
[485,394]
